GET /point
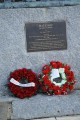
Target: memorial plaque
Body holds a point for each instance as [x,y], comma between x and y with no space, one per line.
[46,36]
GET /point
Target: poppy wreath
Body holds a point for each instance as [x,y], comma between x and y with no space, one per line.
[56,79]
[23,83]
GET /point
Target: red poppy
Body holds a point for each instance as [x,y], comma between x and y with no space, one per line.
[70,78]
[60,65]
[47,82]
[46,69]
[53,64]
[65,86]
[57,92]
[71,74]
[67,67]
[71,87]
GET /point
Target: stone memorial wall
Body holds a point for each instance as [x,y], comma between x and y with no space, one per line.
[13,41]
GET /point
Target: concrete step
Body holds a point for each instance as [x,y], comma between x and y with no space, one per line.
[76,117]
[41,106]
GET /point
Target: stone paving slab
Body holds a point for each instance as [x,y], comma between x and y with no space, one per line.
[7,99]
[41,106]
[76,117]
[68,118]
[5,110]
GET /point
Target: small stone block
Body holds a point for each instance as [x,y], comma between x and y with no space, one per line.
[5,111]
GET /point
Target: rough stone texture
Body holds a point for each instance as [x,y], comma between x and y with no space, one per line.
[13,53]
[41,106]
[7,99]
[5,110]
[69,118]
[76,117]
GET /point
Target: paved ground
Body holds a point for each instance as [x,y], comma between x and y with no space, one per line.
[76,117]
[5,110]
[41,107]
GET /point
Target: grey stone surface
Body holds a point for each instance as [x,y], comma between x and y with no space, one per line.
[7,99]
[76,117]
[5,110]
[41,3]
[42,106]
[13,53]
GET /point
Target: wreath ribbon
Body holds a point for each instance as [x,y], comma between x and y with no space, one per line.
[31,84]
[56,73]
[61,71]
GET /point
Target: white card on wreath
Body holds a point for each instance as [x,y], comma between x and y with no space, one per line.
[55,73]
[31,84]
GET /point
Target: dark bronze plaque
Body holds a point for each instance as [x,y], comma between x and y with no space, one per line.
[46,36]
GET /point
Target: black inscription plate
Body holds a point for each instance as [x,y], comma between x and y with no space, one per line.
[46,36]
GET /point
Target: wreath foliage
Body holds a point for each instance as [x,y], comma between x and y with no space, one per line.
[56,78]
